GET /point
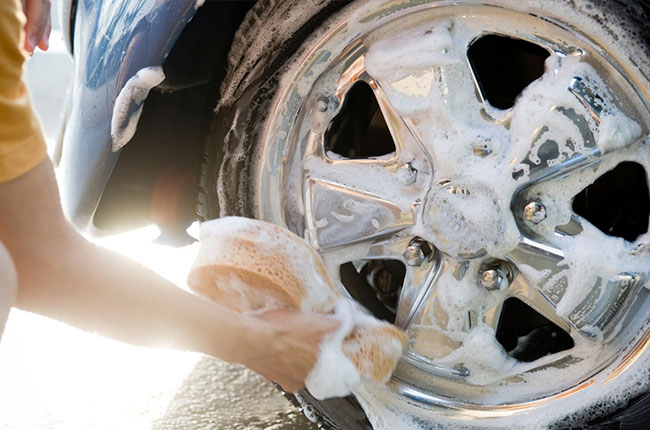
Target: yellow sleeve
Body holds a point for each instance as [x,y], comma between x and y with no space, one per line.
[22,145]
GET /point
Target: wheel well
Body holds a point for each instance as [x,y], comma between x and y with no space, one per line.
[155,177]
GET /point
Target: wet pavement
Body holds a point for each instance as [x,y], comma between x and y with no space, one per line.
[226,396]
[56,377]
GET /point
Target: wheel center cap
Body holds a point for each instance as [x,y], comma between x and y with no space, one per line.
[465,220]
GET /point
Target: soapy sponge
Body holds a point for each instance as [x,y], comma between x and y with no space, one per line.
[248,265]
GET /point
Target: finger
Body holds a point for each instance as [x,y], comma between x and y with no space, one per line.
[28,46]
[268,312]
[291,387]
[44,43]
[289,316]
[37,13]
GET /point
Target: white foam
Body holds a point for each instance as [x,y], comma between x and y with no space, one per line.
[616,131]
[334,375]
[483,356]
[322,223]
[342,217]
[129,104]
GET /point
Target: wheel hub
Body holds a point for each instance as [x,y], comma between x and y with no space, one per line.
[465,221]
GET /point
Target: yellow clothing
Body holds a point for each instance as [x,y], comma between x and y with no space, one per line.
[22,145]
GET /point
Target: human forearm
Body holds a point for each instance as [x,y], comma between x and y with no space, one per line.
[99,291]
[63,276]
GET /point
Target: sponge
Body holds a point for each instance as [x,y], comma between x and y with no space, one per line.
[248,265]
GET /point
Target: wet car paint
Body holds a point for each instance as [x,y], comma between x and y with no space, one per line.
[112,41]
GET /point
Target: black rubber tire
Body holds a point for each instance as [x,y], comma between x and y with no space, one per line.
[255,64]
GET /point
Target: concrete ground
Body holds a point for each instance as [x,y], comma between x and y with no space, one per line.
[56,377]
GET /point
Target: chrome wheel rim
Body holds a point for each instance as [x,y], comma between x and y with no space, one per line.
[397,206]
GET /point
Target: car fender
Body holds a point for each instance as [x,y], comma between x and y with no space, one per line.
[113,40]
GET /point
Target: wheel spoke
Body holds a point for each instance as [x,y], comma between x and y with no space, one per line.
[339,214]
[434,330]
[572,129]
[538,301]
[418,285]
[603,281]
[402,129]
[391,247]
[544,282]
[572,287]
[537,258]
[556,149]
[445,83]
[434,104]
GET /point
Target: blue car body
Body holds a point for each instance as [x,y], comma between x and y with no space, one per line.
[112,41]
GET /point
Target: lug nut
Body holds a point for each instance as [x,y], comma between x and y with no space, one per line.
[495,276]
[482,149]
[407,174]
[535,212]
[417,252]
[491,280]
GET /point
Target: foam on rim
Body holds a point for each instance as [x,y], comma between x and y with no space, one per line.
[581,14]
[463,223]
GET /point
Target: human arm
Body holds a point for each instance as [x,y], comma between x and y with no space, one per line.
[65,277]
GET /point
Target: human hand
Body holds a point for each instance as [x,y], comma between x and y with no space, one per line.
[289,345]
[38,25]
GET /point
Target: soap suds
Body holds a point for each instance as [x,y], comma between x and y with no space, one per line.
[334,375]
[482,356]
[129,104]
